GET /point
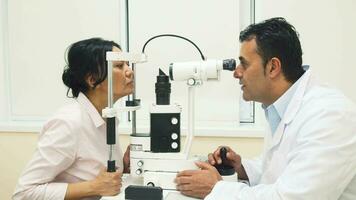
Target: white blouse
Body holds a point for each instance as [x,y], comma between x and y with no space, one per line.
[71,148]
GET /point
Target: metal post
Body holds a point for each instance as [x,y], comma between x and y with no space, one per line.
[133,98]
[252,12]
[110,122]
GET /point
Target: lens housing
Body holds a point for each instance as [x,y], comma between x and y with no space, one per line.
[229,64]
[163,89]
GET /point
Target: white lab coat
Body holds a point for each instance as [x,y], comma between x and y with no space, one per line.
[311,156]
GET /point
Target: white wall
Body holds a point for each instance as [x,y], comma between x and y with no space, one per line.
[4,108]
[214,27]
[327,31]
[39,34]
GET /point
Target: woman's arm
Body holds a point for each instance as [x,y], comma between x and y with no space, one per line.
[126,160]
[105,184]
[55,152]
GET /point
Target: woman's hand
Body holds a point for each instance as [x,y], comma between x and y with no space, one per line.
[107,183]
[126,160]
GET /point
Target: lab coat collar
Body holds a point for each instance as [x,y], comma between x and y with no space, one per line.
[91,110]
[292,109]
[297,98]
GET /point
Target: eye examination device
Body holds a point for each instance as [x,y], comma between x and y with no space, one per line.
[156,157]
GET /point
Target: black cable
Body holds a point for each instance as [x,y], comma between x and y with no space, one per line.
[172,35]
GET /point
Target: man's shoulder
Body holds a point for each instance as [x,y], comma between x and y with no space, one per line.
[325,106]
[325,97]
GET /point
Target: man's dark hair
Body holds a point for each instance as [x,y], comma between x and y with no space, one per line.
[277,38]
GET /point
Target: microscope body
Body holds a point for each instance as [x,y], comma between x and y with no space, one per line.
[156,157]
[165,128]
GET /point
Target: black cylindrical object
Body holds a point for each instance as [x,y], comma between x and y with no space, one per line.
[111,166]
[229,64]
[223,152]
[111,140]
[110,131]
[163,89]
[224,169]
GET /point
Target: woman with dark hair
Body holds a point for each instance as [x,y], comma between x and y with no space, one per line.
[70,159]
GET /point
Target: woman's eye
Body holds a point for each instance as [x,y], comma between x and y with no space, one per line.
[120,66]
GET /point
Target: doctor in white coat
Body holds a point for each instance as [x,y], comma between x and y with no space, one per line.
[309,152]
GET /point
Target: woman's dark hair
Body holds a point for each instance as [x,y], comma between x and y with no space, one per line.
[84,58]
[277,38]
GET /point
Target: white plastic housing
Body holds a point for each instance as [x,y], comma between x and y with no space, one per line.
[199,70]
[140,143]
[125,56]
[173,108]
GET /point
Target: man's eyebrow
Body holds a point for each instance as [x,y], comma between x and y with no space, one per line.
[242,59]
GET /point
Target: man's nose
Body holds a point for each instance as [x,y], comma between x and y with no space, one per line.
[238,72]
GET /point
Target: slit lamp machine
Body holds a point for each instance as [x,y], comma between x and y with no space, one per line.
[157,156]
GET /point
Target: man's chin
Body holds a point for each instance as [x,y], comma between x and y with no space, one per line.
[246,97]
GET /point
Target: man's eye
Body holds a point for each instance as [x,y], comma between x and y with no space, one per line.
[243,64]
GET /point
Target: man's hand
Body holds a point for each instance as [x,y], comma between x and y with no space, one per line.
[232,158]
[198,183]
[126,160]
[107,183]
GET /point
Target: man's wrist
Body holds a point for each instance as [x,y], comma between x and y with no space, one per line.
[241,172]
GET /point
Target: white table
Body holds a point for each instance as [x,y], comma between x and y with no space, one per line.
[129,180]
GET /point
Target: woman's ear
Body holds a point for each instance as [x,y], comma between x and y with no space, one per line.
[90,80]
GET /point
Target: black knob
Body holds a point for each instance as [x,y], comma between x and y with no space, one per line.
[223,152]
[224,169]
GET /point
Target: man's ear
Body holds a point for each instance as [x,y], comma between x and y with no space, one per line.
[275,67]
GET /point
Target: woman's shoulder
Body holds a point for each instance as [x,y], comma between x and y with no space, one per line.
[69,112]
[69,116]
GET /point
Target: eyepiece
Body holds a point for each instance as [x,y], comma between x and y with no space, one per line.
[229,64]
[163,89]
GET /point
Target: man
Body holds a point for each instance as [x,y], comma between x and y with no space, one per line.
[310,151]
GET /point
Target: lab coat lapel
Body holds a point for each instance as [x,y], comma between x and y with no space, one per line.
[276,138]
[291,110]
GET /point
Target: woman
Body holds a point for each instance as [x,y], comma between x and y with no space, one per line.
[70,159]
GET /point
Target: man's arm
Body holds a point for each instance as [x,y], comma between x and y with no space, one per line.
[320,164]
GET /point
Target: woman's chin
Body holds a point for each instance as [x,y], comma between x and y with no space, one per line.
[119,96]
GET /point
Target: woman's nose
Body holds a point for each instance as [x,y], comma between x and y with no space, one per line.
[129,72]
